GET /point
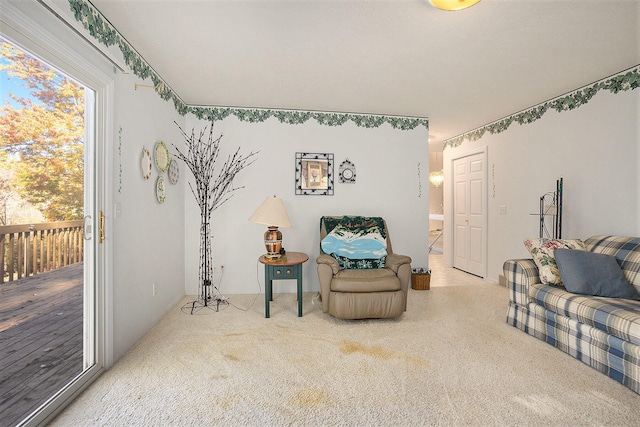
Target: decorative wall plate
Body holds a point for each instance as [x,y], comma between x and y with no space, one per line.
[162,156]
[174,172]
[145,163]
[347,172]
[160,192]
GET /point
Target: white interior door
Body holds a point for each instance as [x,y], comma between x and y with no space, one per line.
[469,207]
[461,213]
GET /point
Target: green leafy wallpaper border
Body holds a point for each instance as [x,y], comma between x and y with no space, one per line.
[628,79]
[100,29]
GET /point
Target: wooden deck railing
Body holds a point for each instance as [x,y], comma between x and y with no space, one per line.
[29,249]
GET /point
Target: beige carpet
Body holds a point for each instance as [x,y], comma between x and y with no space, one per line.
[449,360]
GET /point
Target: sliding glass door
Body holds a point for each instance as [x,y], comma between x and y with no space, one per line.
[54,127]
[47,166]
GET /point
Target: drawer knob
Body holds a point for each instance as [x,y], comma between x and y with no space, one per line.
[278,271]
[288,271]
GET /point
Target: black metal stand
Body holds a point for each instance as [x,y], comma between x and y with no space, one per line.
[551,205]
[211,192]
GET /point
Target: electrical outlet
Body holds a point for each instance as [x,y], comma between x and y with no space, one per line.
[155,289]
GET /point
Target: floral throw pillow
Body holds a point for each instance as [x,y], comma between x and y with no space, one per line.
[542,250]
[359,264]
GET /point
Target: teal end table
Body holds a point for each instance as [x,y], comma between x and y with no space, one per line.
[287,267]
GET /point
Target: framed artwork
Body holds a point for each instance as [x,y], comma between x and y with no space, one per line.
[314,174]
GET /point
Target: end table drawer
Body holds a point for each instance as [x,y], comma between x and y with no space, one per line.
[283,272]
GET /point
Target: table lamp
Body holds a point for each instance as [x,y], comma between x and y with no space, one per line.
[272,214]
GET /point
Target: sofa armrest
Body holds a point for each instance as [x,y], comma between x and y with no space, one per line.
[394,261]
[520,274]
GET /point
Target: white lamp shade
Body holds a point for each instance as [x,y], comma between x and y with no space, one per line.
[271,212]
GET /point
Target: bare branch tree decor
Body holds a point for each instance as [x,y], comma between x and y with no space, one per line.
[211,191]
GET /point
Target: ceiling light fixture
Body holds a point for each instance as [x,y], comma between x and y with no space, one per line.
[453,4]
[436,178]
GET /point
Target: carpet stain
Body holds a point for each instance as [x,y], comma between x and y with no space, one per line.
[227,401]
[350,347]
[234,334]
[218,377]
[234,356]
[310,397]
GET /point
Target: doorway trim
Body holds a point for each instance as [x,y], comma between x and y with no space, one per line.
[449,240]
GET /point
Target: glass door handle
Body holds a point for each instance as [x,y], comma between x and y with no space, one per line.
[86,229]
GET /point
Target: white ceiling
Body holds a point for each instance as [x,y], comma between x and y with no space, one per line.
[395,57]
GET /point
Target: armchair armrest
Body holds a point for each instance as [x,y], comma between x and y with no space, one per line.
[330,261]
[394,261]
[520,274]
[327,267]
[401,266]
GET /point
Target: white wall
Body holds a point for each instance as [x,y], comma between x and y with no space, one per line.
[638,148]
[594,148]
[387,185]
[148,236]
[146,241]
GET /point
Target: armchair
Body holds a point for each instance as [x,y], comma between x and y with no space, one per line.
[375,288]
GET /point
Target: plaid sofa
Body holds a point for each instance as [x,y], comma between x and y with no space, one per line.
[602,332]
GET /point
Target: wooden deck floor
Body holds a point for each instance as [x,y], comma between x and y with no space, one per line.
[41,323]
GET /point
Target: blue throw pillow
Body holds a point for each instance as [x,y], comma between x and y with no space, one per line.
[589,273]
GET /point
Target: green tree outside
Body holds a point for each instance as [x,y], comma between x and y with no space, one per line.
[42,138]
